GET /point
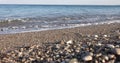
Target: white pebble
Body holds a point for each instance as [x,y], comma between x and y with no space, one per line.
[87,58]
[69,42]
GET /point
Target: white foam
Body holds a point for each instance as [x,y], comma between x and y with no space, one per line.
[48,27]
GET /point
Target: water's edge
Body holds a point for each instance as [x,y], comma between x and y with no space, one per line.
[72,26]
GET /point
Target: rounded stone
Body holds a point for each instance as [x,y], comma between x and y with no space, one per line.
[117,51]
[69,42]
[110,46]
[111,56]
[96,36]
[87,58]
[73,60]
[106,57]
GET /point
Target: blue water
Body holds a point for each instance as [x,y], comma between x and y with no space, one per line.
[25,18]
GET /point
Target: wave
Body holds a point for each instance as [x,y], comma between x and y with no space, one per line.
[44,28]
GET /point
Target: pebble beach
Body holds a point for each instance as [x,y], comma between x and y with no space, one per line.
[88,44]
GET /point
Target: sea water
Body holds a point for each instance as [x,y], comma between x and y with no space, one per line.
[27,18]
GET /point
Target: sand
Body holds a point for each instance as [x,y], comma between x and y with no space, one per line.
[10,41]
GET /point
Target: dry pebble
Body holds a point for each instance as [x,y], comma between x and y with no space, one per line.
[87,58]
[90,49]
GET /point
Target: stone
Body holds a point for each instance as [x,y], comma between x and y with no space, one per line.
[111,56]
[91,53]
[110,46]
[103,61]
[96,36]
[117,51]
[20,54]
[96,61]
[105,36]
[98,55]
[74,60]
[87,58]
[69,42]
[99,44]
[106,58]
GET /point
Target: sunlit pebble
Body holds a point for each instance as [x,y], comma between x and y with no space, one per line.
[99,44]
[69,42]
[96,36]
[103,61]
[117,51]
[105,36]
[98,55]
[87,58]
[111,56]
[73,60]
[110,46]
[106,58]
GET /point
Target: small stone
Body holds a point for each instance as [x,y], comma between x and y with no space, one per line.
[105,36]
[20,54]
[87,58]
[69,42]
[117,51]
[32,59]
[111,56]
[111,61]
[103,61]
[117,46]
[73,60]
[91,54]
[67,60]
[106,58]
[110,46]
[96,36]
[96,61]
[99,44]
[98,55]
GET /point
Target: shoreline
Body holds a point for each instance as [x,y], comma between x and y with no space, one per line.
[69,26]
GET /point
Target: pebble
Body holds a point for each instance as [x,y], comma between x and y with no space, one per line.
[96,36]
[110,46]
[106,57]
[69,42]
[87,58]
[87,49]
[99,54]
[73,60]
[105,36]
[111,56]
[117,51]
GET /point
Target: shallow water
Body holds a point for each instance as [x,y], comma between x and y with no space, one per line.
[26,18]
